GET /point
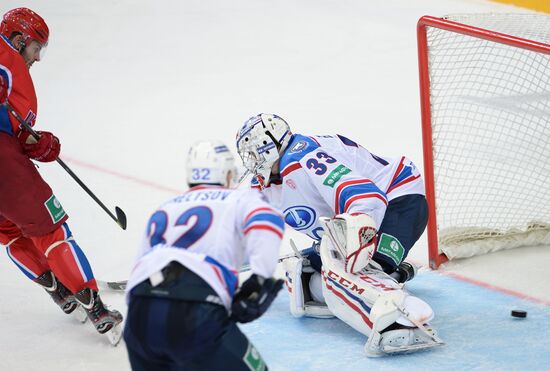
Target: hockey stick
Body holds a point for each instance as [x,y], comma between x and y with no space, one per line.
[112,285]
[121,285]
[120,217]
[295,253]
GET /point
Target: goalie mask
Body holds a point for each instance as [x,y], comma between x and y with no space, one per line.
[210,162]
[260,142]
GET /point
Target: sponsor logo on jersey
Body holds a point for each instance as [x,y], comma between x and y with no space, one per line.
[300,145]
[253,359]
[391,247]
[335,175]
[300,217]
[291,183]
[54,209]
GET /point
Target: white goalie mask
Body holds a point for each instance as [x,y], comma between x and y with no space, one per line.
[260,142]
[210,162]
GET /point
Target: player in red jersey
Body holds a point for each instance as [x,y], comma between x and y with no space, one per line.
[32,221]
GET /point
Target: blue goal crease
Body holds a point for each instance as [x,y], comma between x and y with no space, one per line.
[474,322]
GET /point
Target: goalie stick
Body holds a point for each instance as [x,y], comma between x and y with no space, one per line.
[120,217]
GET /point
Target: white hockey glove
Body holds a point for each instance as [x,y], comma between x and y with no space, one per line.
[354,236]
[254,297]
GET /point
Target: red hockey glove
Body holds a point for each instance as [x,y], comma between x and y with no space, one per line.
[3,90]
[45,150]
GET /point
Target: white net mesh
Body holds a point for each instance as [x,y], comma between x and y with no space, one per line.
[490,107]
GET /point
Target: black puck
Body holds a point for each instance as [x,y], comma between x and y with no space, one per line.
[519,313]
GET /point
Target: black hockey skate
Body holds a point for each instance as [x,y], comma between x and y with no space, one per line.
[105,321]
[58,292]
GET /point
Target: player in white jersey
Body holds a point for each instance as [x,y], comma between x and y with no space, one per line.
[375,210]
[183,293]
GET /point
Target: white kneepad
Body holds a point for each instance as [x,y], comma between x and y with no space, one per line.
[305,289]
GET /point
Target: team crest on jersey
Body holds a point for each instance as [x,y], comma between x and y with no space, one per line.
[300,145]
[29,119]
[300,217]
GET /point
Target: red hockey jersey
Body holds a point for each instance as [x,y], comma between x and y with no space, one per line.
[21,93]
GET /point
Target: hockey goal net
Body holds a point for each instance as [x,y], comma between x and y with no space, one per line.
[485,94]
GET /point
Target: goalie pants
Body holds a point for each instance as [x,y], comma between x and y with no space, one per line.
[32,222]
[404,222]
[165,332]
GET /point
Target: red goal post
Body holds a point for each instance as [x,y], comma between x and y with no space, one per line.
[460,91]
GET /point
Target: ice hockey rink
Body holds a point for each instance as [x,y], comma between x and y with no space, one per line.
[128,85]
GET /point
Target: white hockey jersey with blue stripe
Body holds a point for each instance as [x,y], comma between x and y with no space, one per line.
[212,231]
[326,175]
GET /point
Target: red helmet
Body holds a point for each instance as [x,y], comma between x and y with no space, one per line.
[26,22]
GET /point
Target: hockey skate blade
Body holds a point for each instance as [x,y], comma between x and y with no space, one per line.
[80,314]
[373,348]
[388,349]
[115,334]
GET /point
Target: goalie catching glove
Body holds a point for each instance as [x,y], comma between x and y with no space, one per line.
[254,297]
[354,237]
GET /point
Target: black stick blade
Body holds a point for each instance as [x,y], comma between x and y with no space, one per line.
[121,217]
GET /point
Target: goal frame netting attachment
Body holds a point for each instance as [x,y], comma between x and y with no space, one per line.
[435,254]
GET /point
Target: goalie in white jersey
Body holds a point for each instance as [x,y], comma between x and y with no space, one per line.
[183,293]
[373,209]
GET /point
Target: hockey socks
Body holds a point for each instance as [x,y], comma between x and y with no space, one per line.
[66,259]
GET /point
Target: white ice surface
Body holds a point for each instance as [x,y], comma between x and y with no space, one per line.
[129,85]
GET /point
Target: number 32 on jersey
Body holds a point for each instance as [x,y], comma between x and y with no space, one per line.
[198,219]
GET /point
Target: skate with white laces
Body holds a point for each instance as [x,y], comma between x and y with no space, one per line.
[106,322]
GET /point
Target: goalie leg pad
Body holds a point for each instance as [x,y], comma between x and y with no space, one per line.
[351,297]
[371,302]
[298,282]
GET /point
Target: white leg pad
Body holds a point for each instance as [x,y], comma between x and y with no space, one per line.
[296,273]
[293,268]
[351,297]
[370,302]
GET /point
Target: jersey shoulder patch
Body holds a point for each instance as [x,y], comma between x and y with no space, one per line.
[299,146]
